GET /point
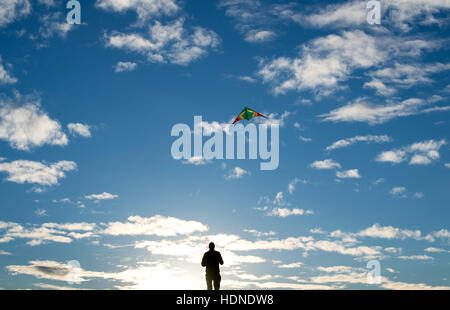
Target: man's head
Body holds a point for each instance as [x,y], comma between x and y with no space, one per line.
[211,246]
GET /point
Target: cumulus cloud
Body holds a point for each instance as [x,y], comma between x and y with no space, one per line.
[436,250]
[166,42]
[415,257]
[293,183]
[362,110]
[260,36]
[390,232]
[350,13]
[285,212]
[419,153]
[156,225]
[45,233]
[387,232]
[135,277]
[26,171]
[325,164]
[13,10]
[144,9]
[402,14]
[54,24]
[326,61]
[323,62]
[291,265]
[126,66]
[350,141]
[26,125]
[253,19]
[79,129]
[348,174]
[186,246]
[260,233]
[236,173]
[246,78]
[399,191]
[102,196]
[196,161]
[403,75]
[5,76]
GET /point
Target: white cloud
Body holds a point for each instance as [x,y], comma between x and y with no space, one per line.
[5,76]
[404,76]
[392,156]
[48,3]
[285,212]
[79,129]
[259,36]
[136,277]
[436,250]
[54,24]
[304,139]
[416,257]
[196,161]
[13,10]
[335,269]
[167,43]
[379,181]
[411,286]
[102,196]
[125,66]
[260,233]
[399,191]
[422,153]
[26,125]
[323,62]
[291,265]
[361,110]
[402,14]
[253,19]
[380,87]
[447,165]
[391,270]
[349,141]
[293,183]
[25,171]
[247,79]
[47,232]
[386,232]
[156,225]
[389,232]
[40,212]
[348,14]
[418,195]
[325,164]
[145,9]
[348,174]
[236,173]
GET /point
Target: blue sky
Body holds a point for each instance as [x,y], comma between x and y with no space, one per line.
[91,197]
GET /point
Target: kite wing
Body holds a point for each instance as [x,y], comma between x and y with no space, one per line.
[247,114]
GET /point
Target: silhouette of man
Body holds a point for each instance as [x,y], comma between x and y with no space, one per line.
[211,261]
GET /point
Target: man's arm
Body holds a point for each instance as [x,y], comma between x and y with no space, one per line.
[204,260]
[220,259]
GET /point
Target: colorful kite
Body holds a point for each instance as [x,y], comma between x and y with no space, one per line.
[247,114]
